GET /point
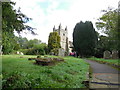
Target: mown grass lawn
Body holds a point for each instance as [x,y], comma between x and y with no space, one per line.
[110,61]
[18,72]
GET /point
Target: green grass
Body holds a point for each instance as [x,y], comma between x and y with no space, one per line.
[110,61]
[20,73]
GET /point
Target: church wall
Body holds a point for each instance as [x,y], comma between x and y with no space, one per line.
[63,35]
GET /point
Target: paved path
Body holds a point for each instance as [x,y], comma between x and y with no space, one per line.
[104,76]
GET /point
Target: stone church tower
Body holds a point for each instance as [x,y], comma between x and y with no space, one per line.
[63,36]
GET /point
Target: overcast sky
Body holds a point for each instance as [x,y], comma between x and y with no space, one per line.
[47,13]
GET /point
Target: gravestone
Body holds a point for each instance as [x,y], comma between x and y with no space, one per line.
[114,54]
[21,53]
[107,54]
[61,52]
[18,52]
[1,50]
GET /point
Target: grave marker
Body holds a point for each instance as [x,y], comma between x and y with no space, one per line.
[107,54]
[114,54]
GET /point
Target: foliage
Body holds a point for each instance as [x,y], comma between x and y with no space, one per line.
[54,41]
[31,47]
[23,42]
[102,45]
[32,43]
[109,24]
[39,49]
[55,50]
[12,20]
[84,38]
[22,73]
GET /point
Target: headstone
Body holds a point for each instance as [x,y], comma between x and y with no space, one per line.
[1,50]
[115,54]
[107,54]
[18,52]
[61,52]
[21,53]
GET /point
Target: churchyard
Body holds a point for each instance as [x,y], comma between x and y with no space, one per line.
[35,63]
[19,72]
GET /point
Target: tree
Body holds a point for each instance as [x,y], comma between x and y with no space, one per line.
[84,38]
[102,45]
[36,50]
[54,42]
[30,47]
[40,49]
[12,20]
[8,42]
[23,42]
[33,42]
[109,24]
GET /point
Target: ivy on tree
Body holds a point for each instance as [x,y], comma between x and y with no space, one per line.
[54,42]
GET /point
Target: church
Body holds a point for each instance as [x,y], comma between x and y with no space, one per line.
[63,33]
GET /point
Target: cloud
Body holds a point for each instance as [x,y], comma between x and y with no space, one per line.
[47,13]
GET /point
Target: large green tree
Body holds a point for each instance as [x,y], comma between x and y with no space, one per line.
[54,42]
[109,23]
[40,49]
[37,49]
[12,20]
[23,42]
[84,38]
[30,47]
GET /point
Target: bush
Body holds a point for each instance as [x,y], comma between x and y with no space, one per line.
[40,49]
[34,51]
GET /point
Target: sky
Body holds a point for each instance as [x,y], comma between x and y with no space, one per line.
[47,13]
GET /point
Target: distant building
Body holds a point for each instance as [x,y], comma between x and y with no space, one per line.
[66,45]
[63,37]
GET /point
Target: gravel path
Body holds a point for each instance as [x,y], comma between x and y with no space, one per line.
[102,68]
[103,76]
